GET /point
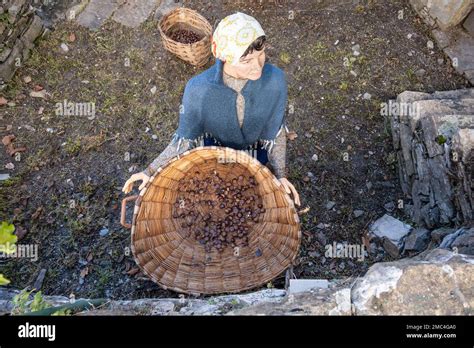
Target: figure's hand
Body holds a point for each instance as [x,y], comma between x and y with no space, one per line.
[135,177]
[290,189]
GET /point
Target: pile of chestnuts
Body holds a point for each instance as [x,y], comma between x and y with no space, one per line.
[220,212]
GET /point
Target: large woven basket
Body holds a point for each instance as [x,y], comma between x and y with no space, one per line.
[197,53]
[178,262]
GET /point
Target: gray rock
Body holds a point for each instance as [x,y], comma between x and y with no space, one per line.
[75,10]
[321,237]
[390,206]
[268,295]
[391,248]
[417,240]
[64,47]
[461,50]
[461,240]
[358,213]
[31,30]
[392,233]
[464,244]
[330,205]
[391,228]
[103,232]
[329,301]
[450,238]
[97,12]
[469,24]
[302,285]
[135,12]
[165,7]
[436,283]
[446,13]
[438,234]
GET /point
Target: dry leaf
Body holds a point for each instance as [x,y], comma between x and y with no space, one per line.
[133,271]
[90,257]
[38,88]
[320,148]
[303,211]
[37,213]
[13,150]
[292,135]
[84,272]
[3,101]
[71,37]
[10,166]
[27,79]
[20,232]
[366,241]
[8,139]
[39,94]
[128,265]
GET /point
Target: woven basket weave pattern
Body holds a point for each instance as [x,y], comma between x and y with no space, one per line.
[180,263]
[197,53]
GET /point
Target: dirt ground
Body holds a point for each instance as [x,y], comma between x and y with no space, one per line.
[74,158]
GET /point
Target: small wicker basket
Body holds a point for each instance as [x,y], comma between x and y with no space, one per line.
[197,53]
[178,262]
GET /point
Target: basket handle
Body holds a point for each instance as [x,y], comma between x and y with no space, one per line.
[124,211]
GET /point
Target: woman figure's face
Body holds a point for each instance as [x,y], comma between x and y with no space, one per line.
[249,67]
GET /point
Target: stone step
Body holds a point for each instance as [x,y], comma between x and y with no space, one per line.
[135,12]
[459,46]
[97,12]
[440,107]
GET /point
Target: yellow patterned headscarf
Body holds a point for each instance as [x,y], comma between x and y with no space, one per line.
[233,36]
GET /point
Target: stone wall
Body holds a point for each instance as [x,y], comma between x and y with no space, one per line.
[452,26]
[443,13]
[19,28]
[435,150]
[437,282]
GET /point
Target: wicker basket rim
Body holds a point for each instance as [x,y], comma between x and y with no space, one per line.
[158,171]
[226,150]
[178,10]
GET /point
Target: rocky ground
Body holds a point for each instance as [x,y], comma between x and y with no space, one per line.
[341,62]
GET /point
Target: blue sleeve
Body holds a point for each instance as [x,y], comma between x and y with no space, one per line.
[190,118]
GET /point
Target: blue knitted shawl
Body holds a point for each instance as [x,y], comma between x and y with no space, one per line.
[209,109]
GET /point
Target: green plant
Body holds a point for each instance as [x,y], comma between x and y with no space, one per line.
[441,139]
[3,280]
[7,244]
[38,303]
[344,86]
[62,312]
[20,302]
[285,57]
[73,147]
[23,305]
